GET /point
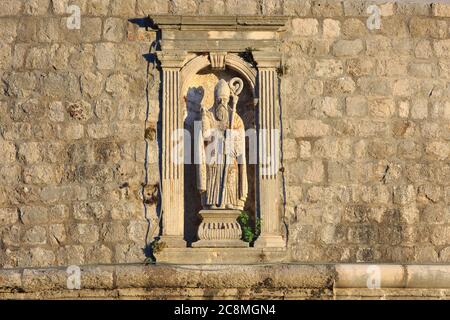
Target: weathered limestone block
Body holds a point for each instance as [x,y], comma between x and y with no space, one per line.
[11,7]
[87,211]
[331,28]
[91,30]
[439,150]
[381,108]
[72,131]
[57,234]
[42,174]
[84,233]
[123,8]
[10,279]
[36,280]
[58,213]
[98,7]
[8,153]
[442,48]
[114,30]
[409,150]
[56,111]
[394,27]
[419,109]
[360,67]
[326,8]
[113,232]
[356,106]
[33,215]
[11,236]
[413,9]
[8,216]
[118,85]
[378,46]
[186,6]
[354,28]
[330,148]
[340,86]
[314,87]
[137,231]
[423,49]
[105,56]
[445,255]
[60,85]
[238,7]
[272,7]
[70,255]
[35,236]
[305,172]
[404,194]
[305,27]
[36,257]
[347,48]
[439,235]
[36,7]
[377,86]
[441,10]
[328,68]
[426,253]
[427,27]
[8,30]
[422,70]
[326,107]
[297,7]
[309,128]
[129,253]
[146,7]
[97,278]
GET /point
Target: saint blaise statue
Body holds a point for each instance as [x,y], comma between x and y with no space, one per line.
[222,175]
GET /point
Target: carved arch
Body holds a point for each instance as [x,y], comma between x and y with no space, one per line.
[233,61]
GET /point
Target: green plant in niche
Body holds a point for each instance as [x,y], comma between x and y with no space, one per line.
[250,229]
[156,247]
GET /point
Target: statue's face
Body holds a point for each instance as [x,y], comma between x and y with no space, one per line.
[223,100]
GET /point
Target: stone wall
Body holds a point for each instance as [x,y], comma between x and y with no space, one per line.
[366,130]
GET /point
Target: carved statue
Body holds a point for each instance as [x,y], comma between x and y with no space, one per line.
[222,175]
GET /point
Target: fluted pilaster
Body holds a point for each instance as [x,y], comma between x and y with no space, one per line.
[172,151]
[268,150]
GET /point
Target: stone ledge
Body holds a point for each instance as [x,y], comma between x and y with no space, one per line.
[258,281]
[222,255]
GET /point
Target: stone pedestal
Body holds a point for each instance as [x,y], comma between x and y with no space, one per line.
[220,229]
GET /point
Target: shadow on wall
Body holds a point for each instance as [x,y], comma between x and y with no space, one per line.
[151,194]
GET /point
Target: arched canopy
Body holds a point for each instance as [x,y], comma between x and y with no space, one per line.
[232,61]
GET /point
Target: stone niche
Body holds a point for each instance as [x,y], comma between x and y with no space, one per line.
[195,53]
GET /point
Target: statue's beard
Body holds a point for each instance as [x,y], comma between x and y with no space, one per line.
[221,112]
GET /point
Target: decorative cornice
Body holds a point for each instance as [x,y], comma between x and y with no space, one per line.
[273,23]
[219,33]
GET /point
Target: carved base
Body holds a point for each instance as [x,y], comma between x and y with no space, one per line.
[270,241]
[173,241]
[220,229]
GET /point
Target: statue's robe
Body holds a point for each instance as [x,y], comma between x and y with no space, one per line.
[211,173]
